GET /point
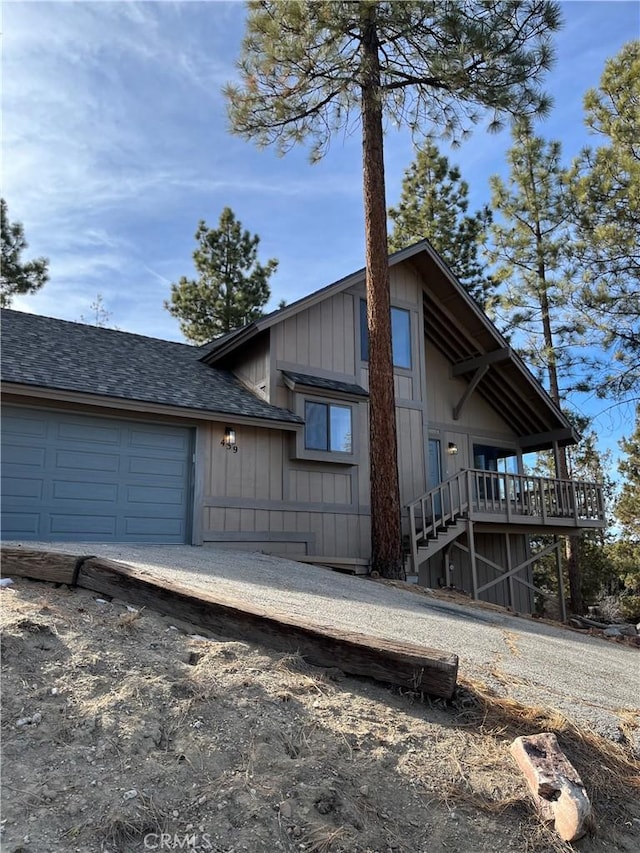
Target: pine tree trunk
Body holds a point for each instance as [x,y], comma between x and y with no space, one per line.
[572,549]
[574,571]
[386,535]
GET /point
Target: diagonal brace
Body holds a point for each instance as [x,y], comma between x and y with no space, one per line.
[471,387]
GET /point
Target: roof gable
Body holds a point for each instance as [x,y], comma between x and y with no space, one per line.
[224,345]
[461,330]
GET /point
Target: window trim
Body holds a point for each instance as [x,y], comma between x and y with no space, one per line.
[301,451]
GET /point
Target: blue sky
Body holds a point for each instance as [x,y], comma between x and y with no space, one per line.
[116,144]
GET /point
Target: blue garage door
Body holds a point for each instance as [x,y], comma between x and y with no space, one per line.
[68,477]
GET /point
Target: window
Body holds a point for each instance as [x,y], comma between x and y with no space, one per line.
[488,457]
[400,336]
[327,427]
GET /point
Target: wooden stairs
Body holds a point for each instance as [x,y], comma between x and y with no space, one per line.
[437,519]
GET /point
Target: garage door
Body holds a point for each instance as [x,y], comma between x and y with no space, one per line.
[68,477]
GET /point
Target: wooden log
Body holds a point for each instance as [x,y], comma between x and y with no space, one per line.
[409,665]
[51,566]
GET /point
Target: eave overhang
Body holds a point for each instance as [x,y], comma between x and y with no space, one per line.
[33,394]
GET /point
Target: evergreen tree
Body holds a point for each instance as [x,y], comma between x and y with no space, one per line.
[308,69]
[531,242]
[17,276]
[231,288]
[628,504]
[625,551]
[606,196]
[434,204]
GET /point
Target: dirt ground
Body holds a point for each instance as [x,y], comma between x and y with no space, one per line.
[125,731]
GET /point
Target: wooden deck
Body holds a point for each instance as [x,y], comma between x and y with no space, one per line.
[541,501]
[509,502]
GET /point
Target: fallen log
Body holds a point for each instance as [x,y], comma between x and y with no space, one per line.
[421,669]
[51,566]
[602,626]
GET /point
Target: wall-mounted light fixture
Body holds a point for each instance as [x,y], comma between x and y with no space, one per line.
[229,439]
[452,448]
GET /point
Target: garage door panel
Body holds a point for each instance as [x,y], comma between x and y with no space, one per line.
[92,479]
[161,512]
[22,524]
[22,487]
[152,527]
[87,461]
[21,426]
[154,467]
[15,454]
[153,495]
[79,433]
[71,524]
[69,490]
[176,441]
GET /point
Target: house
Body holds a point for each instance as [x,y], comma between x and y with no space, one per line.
[259,440]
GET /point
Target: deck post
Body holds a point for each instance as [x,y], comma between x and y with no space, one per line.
[512,602]
[472,558]
[556,458]
[561,601]
[574,500]
[413,538]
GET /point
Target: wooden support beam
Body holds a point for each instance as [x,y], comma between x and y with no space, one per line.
[471,364]
[471,387]
[50,566]
[561,599]
[418,668]
[548,438]
[512,598]
[472,558]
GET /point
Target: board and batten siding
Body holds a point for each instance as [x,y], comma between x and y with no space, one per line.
[261,498]
[252,366]
[410,391]
[322,336]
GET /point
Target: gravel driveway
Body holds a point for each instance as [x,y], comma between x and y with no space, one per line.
[589,679]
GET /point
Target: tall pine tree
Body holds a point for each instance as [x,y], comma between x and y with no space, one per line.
[434,204]
[231,288]
[628,504]
[531,240]
[309,69]
[606,197]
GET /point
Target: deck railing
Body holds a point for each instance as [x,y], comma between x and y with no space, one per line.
[512,498]
[545,498]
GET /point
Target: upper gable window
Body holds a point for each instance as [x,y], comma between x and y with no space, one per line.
[400,335]
[327,427]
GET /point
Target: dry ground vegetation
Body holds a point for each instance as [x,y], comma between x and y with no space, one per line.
[126,731]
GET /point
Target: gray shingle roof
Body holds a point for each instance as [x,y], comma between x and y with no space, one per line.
[57,354]
[325,384]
